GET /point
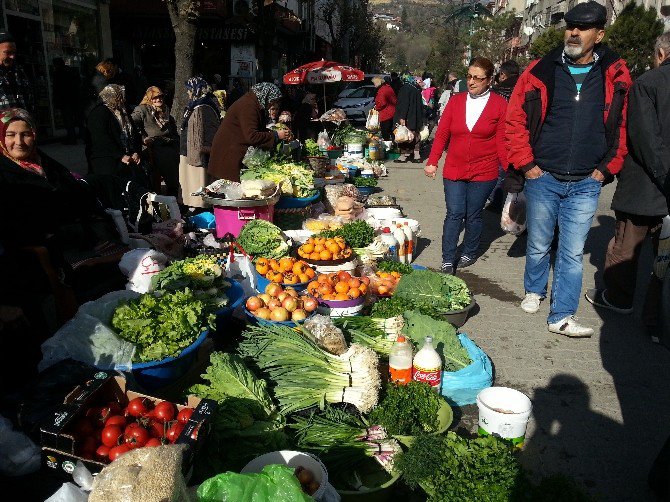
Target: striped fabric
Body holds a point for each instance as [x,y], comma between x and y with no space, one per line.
[579,73]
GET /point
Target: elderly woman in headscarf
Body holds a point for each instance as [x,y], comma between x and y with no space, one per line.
[245,126]
[113,146]
[159,132]
[199,124]
[409,112]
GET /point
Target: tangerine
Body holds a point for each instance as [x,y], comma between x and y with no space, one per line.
[326,255]
[342,287]
[341,296]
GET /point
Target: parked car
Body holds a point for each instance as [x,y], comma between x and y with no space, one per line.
[357,104]
[350,87]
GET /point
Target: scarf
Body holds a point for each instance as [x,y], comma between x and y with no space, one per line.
[266,93]
[160,114]
[8,116]
[201,94]
[113,98]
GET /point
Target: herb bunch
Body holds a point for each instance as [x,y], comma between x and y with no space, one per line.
[408,410]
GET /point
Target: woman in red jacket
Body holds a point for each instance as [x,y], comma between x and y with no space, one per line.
[473,128]
[385,101]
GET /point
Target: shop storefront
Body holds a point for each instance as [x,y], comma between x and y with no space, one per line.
[48,29]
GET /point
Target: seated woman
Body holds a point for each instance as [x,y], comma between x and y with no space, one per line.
[43,205]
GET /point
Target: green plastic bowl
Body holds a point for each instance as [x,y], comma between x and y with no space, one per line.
[377,480]
[445,417]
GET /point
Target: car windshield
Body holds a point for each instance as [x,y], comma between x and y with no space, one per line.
[363,92]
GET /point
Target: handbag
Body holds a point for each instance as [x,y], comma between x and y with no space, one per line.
[372,122]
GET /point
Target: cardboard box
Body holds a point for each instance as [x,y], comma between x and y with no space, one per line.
[59,447]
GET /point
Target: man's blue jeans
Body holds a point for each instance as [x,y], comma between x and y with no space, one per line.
[572,205]
[465,201]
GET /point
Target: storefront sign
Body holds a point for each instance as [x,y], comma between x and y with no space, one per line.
[206,33]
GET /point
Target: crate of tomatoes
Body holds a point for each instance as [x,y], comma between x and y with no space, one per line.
[102,419]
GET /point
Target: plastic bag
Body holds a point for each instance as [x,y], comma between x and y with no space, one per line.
[275,483]
[424,133]
[77,491]
[143,475]
[88,337]
[140,265]
[402,134]
[323,140]
[513,218]
[327,336]
[372,122]
[461,387]
[242,270]
[18,454]
[203,220]
[255,157]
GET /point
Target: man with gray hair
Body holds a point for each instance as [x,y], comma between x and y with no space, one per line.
[639,202]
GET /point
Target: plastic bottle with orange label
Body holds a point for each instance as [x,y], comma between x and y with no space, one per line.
[400,361]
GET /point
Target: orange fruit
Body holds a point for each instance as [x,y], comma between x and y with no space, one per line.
[342,287]
[354,293]
[326,255]
[343,275]
[278,278]
[383,290]
[315,256]
[310,272]
[303,278]
[325,289]
[318,248]
[354,282]
[312,286]
[274,265]
[341,296]
[322,279]
[363,287]
[307,247]
[396,274]
[333,247]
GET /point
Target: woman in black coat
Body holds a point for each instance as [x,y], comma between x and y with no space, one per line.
[409,112]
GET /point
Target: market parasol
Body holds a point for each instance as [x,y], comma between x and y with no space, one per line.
[323,72]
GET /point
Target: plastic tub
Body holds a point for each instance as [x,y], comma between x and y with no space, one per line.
[457,318]
[296,202]
[504,413]
[262,283]
[267,322]
[235,296]
[292,459]
[153,375]
[335,154]
[232,219]
[341,308]
[378,484]
[368,190]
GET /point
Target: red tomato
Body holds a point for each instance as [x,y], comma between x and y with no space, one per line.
[153,442]
[157,430]
[116,420]
[184,415]
[114,408]
[163,412]
[138,407]
[102,453]
[83,427]
[111,435]
[136,437]
[117,451]
[173,432]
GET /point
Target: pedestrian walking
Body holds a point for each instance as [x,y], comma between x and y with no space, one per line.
[473,128]
[639,203]
[507,77]
[199,124]
[245,126]
[159,137]
[15,88]
[566,131]
[447,91]
[396,82]
[66,93]
[428,92]
[385,104]
[409,112]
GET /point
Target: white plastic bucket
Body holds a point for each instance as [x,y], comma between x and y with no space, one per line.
[355,150]
[504,413]
[292,459]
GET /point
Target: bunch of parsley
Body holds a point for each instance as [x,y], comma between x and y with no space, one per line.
[408,410]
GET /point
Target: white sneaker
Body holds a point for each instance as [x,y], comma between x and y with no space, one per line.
[531,303]
[570,327]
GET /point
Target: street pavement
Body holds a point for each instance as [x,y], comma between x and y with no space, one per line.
[600,405]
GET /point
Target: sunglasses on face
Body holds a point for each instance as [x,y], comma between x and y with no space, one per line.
[157,98]
[475,78]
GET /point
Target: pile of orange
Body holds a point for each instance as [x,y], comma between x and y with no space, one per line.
[285,271]
[322,249]
[338,286]
[384,283]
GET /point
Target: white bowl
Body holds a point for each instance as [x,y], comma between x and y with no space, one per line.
[384,213]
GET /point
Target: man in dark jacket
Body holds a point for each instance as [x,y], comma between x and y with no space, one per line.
[566,133]
[639,203]
[15,88]
[508,74]
[409,112]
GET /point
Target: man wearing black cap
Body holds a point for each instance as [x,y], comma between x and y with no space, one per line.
[566,132]
[15,90]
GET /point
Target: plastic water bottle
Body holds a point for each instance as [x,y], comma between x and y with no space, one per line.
[392,243]
[400,361]
[427,365]
[402,242]
[409,252]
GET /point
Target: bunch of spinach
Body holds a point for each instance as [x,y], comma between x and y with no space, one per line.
[163,326]
[364,181]
[449,467]
[262,238]
[408,410]
[394,266]
[396,305]
[442,292]
[312,148]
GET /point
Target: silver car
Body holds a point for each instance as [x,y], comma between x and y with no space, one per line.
[358,103]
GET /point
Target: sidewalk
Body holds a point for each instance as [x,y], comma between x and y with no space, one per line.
[600,405]
[71,156]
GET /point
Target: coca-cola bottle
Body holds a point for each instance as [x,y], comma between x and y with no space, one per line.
[427,365]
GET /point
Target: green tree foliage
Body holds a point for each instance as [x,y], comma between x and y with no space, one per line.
[490,36]
[633,34]
[546,42]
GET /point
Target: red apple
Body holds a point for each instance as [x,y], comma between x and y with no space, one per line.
[273,289]
[279,314]
[292,292]
[310,304]
[254,303]
[282,296]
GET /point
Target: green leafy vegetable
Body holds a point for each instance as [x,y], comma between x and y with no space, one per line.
[262,238]
[297,179]
[443,292]
[358,234]
[312,148]
[395,306]
[451,467]
[445,340]
[365,331]
[364,181]
[394,266]
[161,327]
[408,410]
[340,135]
[200,274]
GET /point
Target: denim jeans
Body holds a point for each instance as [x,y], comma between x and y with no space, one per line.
[571,205]
[465,201]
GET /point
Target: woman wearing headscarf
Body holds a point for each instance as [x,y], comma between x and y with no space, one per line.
[244,126]
[114,146]
[198,127]
[160,137]
[409,112]
[385,103]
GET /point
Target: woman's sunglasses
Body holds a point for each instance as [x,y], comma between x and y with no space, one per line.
[475,78]
[158,98]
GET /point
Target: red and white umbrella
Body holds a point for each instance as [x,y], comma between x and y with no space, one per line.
[323,72]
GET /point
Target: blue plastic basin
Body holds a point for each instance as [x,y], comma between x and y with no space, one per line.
[262,283]
[235,296]
[296,202]
[266,322]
